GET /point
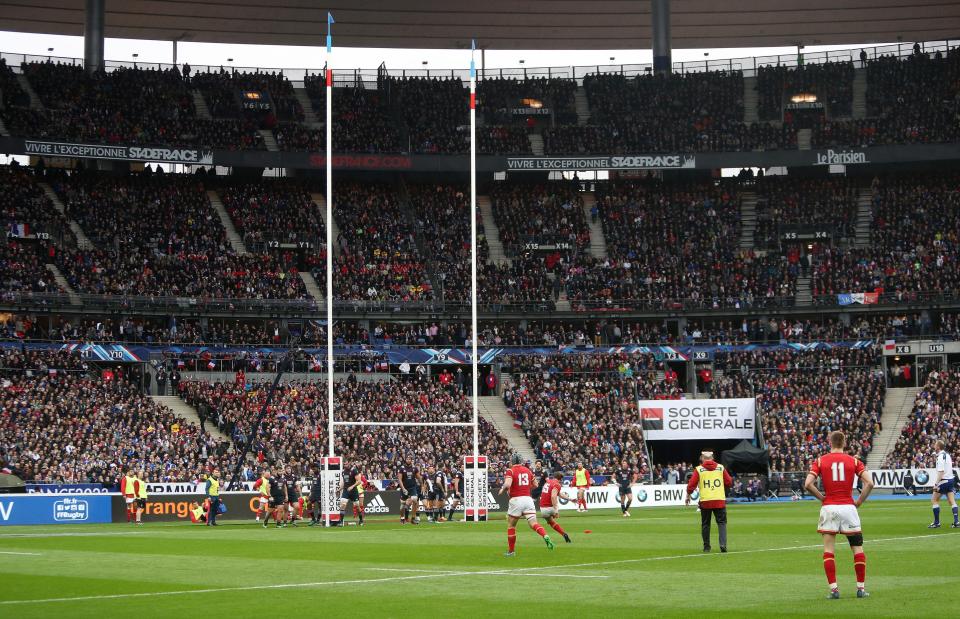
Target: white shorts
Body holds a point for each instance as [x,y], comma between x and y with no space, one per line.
[128,499]
[842,519]
[548,512]
[264,501]
[521,507]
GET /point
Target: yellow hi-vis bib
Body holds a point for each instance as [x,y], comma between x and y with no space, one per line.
[711,484]
[214,487]
[580,477]
[143,489]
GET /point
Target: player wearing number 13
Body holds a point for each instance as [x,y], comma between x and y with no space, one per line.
[839,472]
[518,480]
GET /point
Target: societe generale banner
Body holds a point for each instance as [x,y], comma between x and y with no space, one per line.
[678,420]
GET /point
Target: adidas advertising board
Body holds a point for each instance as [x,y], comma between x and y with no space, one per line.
[376,505]
[601,497]
[679,420]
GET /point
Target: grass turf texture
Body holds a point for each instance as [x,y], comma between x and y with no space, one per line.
[649,564]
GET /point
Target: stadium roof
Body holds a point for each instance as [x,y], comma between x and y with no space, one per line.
[499,24]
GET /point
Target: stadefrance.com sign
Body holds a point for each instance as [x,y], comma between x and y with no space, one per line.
[678,420]
[109,151]
[619,162]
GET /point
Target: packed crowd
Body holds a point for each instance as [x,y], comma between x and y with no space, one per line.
[936,415]
[831,82]
[785,203]
[803,395]
[222,91]
[274,211]
[156,235]
[295,427]
[583,408]
[676,246]
[499,97]
[61,423]
[915,243]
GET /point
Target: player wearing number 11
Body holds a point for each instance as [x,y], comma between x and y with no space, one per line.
[839,473]
[518,480]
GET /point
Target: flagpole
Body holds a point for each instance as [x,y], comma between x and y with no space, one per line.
[473,251]
[329,266]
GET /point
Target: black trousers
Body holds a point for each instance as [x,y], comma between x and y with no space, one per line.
[214,506]
[720,514]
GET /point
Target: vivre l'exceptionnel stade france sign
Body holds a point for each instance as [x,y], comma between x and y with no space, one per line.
[612,162]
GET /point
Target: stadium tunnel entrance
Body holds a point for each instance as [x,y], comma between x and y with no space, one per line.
[665,453]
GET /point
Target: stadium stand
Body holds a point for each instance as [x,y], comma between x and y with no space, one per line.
[935,416]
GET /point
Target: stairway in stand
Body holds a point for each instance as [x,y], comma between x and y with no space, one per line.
[598,241]
[859,94]
[495,411]
[200,104]
[491,231]
[897,406]
[321,201]
[83,243]
[269,140]
[864,217]
[313,289]
[804,296]
[63,284]
[236,243]
[581,105]
[182,409]
[536,144]
[804,139]
[35,103]
[750,100]
[310,118]
[748,219]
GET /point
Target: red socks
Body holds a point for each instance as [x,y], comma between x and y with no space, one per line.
[582,503]
[830,568]
[860,565]
[540,530]
[556,527]
[511,538]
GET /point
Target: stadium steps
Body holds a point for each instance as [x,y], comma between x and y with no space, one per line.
[804,139]
[536,144]
[181,408]
[269,140]
[859,93]
[897,406]
[581,105]
[203,112]
[495,411]
[83,242]
[491,231]
[750,100]
[803,296]
[598,241]
[864,217]
[3,129]
[563,303]
[35,103]
[62,282]
[310,118]
[321,201]
[313,289]
[236,242]
[748,219]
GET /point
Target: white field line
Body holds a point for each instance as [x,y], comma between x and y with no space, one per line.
[500,573]
[510,572]
[26,554]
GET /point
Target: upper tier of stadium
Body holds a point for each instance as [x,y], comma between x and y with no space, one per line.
[499,24]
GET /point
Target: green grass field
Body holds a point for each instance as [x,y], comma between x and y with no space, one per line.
[649,565]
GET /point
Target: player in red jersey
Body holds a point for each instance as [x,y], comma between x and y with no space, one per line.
[518,480]
[550,504]
[839,472]
[581,479]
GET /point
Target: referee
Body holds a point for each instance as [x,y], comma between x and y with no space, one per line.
[711,479]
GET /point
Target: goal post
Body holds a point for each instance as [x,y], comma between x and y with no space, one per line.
[475,488]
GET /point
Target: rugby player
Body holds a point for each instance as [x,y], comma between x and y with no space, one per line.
[625,478]
[581,479]
[945,485]
[437,496]
[839,472]
[352,485]
[278,500]
[550,503]
[518,481]
[456,492]
[128,488]
[141,501]
[262,485]
[409,493]
[292,492]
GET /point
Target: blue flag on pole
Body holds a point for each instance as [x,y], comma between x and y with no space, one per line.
[330,18]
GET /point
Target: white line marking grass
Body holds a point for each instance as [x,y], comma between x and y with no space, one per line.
[367,581]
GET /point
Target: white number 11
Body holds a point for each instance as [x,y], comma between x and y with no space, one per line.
[839,473]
